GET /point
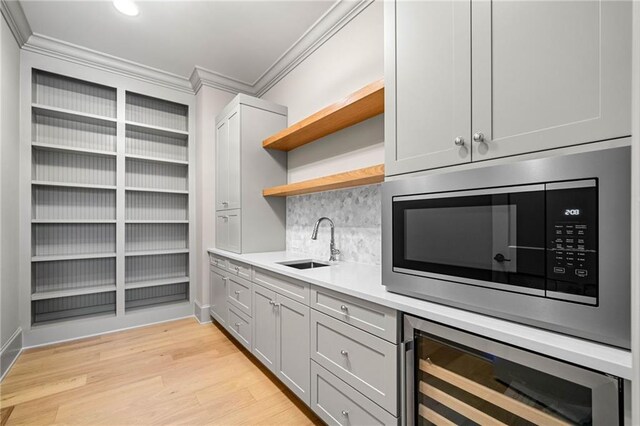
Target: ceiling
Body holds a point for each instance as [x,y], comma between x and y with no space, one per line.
[237,39]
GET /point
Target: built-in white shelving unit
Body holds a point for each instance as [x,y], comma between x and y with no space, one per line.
[105,169]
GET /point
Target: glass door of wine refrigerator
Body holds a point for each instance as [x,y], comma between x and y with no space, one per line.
[457,378]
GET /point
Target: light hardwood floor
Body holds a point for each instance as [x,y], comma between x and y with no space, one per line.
[180,372]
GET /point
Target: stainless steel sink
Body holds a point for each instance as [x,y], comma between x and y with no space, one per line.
[304,264]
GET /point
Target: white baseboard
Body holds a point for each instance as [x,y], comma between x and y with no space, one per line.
[201,313]
[10,353]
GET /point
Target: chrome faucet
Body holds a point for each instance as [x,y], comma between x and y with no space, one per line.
[314,236]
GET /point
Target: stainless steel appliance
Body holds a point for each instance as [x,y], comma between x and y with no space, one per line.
[544,242]
[453,377]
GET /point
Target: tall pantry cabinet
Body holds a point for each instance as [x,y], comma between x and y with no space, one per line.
[111,205]
[245,220]
[473,80]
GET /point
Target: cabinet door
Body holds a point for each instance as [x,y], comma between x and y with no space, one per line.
[222,230]
[293,366]
[234,243]
[218,296]
[548,74]
[264,326]
[222,165]
[428,84]
[233,167]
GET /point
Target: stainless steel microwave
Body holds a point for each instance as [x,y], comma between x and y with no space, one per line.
[544,242]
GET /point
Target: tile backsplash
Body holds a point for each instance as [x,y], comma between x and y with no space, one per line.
[356,213]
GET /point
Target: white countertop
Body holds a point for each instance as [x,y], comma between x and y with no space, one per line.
[365,282]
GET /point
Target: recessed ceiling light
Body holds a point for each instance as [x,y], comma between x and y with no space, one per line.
[127,7]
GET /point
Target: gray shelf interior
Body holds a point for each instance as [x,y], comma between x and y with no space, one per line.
[73,307]
[72,275]
[54,239]
[61,203]
[72,94]
[75,136]
[154,175]
[68,130]
[156,206]
[153,296]
[165,146]
[72,167]
[150,268]
[156,112]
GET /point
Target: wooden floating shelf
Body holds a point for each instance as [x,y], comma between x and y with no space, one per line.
[359,106]
[366,176]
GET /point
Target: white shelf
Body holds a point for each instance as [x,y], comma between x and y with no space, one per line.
[167,191]
[72,221]
[157,221]
[70,114]
[157,130]
[72,292]
[68,148]
[156,159]
[72,185]
[71,257]
[155,252]
[156,283]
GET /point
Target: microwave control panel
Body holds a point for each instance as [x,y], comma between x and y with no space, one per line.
[572,241]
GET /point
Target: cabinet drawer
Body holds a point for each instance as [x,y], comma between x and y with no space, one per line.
[378,320]
[239,326]
[239,294]
[293,289]
[364,361]
[339,404]
[220,262]
[240,269]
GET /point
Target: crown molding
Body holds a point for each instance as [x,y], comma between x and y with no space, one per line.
[204,77]
[17,21]
[339,15]
[69,52]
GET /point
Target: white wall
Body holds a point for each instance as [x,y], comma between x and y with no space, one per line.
[209,102]
[351,59]
[9,160]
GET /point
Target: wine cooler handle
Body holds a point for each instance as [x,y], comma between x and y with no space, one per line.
[406,351]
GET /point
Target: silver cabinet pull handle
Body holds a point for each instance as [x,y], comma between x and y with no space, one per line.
[478,137]
[271,302]
[344,308]
[344,353]
[345,413]
[238,324]
[237,268]
[237,292]
[225,203]
[459,141]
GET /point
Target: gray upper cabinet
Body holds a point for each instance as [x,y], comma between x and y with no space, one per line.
[427,84]
[245,220]
[475,80]
[548,74]
[228,162]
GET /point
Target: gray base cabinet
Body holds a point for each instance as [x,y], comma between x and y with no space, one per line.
[281,338]
[335,352]
[218,295]
[338,404]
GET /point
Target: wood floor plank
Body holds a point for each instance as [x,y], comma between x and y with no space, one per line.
[180,372]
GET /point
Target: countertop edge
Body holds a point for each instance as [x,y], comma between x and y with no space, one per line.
[606,359]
